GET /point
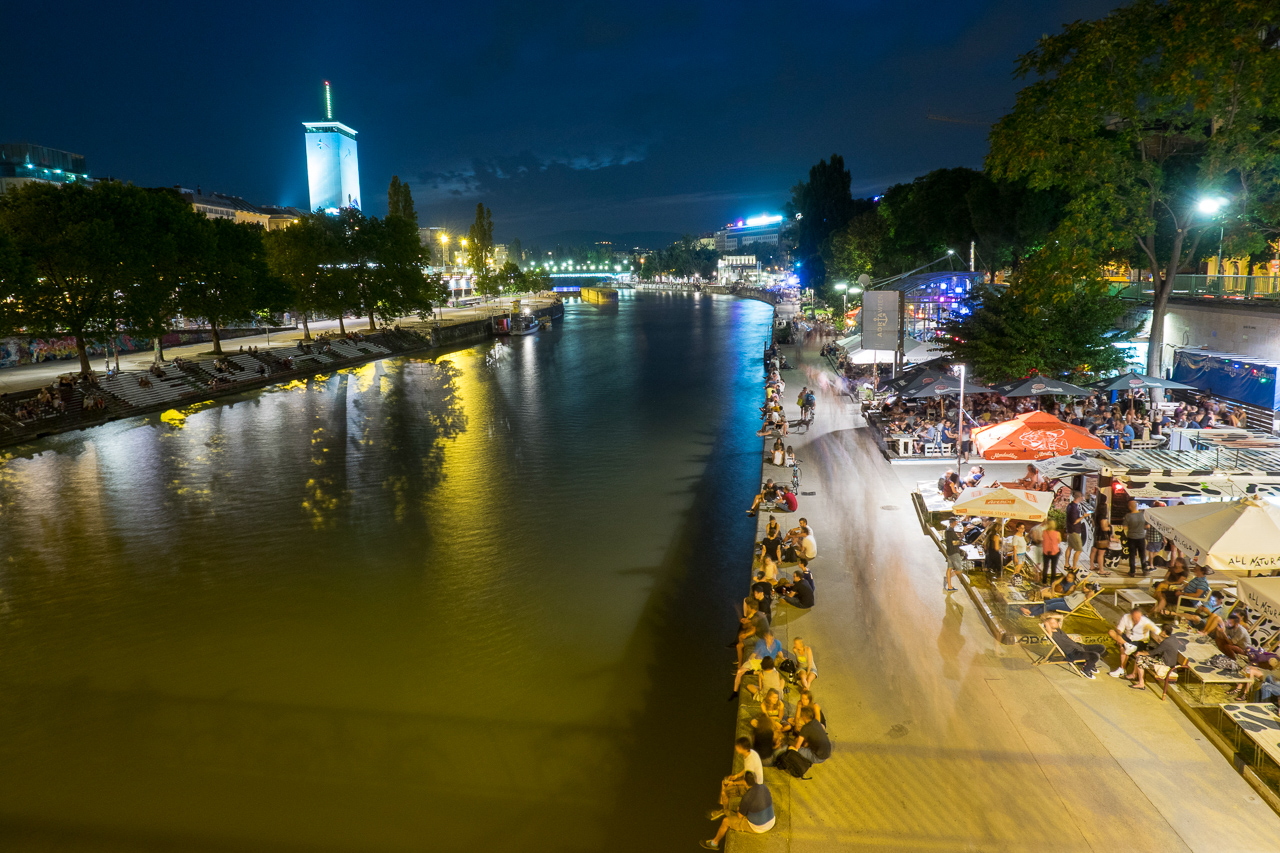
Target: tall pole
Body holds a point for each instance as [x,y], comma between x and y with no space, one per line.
[972,255]
[1222,230]
[960,425]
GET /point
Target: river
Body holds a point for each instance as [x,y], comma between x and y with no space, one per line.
[473,600]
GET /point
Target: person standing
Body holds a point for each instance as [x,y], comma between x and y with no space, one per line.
[951,540]
[1135,530]
[1051,546]
[1075,529]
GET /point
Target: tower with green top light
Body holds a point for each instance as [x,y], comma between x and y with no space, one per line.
[333,166]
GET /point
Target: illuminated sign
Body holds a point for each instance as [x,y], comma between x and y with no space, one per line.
[763,220]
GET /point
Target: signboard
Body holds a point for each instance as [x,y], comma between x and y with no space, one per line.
[880,319]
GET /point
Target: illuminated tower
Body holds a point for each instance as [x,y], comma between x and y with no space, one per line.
[333,168]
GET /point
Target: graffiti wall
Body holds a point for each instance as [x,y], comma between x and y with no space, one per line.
[18,351]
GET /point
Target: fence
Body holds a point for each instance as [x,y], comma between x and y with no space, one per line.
[1228,287]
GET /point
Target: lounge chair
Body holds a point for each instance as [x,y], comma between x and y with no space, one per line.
[1056,655]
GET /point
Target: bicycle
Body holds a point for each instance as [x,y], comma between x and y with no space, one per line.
[795,477]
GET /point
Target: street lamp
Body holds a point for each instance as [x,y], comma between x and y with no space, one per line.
[843,286]
[1210,206]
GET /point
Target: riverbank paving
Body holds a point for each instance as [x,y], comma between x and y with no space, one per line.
[945,740]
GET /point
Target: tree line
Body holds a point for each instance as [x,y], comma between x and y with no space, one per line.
[1149,138]
[89,262]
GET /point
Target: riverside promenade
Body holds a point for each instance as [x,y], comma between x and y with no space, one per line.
[944,740]
[31,376]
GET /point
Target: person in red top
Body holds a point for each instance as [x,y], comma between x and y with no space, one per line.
[789,499]
[1051,547]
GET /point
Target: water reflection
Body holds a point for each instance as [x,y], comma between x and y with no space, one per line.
[418,603]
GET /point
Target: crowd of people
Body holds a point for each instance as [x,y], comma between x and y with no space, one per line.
[1149,643]
[787,728]
[935,423]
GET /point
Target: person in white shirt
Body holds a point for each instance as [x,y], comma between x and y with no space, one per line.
[1018,541]
[734,786]
[1134,633]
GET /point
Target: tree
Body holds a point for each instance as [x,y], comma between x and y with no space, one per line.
[480,240]
[302,255]
[1139,115]
[818,208]
[400,201]
[514,250]
[73,253]
[168,227]
[1011,334]
[231,280]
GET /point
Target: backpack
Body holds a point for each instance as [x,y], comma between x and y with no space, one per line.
[794,763]
[810,400]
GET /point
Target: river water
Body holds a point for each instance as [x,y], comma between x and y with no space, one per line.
[478,599]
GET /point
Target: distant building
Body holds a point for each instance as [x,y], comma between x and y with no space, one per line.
[21,163]
[333,167]
[219,206]
[757,229]
[500,255]
[706,242]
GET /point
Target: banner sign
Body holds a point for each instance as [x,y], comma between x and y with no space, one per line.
[881,318]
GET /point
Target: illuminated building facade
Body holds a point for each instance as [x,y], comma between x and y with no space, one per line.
[22,163]
[757,229]
[333,167]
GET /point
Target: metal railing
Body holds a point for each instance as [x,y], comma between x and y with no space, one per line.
[1227,287]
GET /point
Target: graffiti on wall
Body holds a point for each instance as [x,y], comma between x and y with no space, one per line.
[18,351]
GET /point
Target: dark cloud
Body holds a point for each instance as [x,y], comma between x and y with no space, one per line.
[559,115]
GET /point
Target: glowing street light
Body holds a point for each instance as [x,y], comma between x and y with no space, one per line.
[1210,206]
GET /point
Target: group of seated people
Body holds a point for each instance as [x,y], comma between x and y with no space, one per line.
[781,455]
[774,497]
[951,484]
[770,674]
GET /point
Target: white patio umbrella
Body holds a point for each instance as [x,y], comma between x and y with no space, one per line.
[1004,502]
[1261,596]
[1230,536]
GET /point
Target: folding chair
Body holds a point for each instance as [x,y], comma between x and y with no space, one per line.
[1056,655]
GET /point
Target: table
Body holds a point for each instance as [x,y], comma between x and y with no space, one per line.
[1258,720]
[973,554]
[1135,597]
[1206,675]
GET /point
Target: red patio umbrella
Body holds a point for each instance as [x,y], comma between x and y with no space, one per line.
[1033,435]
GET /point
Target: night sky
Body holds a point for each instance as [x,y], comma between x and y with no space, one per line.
[669,116]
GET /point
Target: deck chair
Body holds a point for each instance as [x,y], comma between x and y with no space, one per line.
[1187,604]
[1056,655]
[1080,602]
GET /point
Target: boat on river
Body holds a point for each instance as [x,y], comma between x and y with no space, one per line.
[523,324]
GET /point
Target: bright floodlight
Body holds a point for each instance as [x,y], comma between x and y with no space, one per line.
[841,286]
[1210,205]
[951,251]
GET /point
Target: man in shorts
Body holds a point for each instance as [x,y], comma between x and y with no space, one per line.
[1075,529]
[1134,633]
[753,814]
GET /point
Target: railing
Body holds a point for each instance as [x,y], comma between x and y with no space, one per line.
[1229,287]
